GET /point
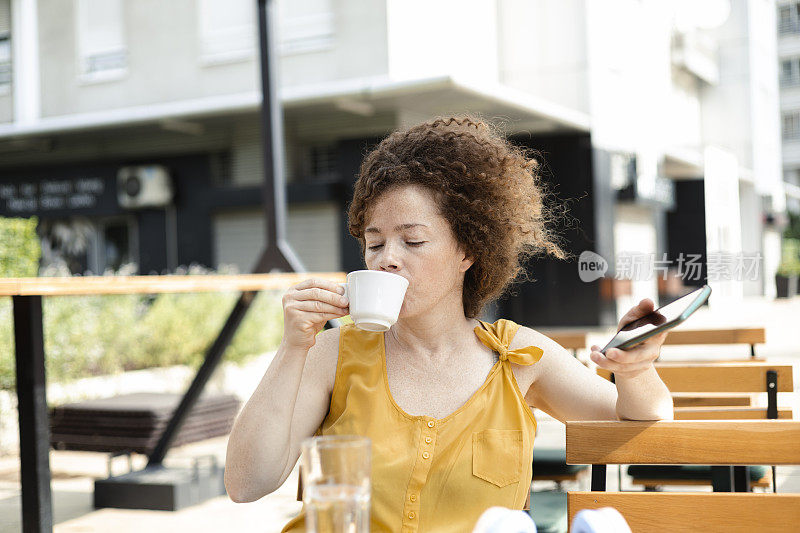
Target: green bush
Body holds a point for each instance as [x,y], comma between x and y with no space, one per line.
[19,247]
[790,258]
[95,335]
[792,230]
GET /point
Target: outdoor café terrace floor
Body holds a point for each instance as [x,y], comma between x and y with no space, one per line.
[74,472]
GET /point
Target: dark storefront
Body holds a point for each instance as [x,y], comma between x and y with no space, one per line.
[84,198]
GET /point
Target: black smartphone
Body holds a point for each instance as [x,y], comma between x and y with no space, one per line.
[665,317]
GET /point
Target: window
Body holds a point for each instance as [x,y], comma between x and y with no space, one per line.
[227,30]
[791,125]
[5,46]
[113,245]
[305,25]
[784,15]
[319,163]
[790,72]
[789,18]
[623,170]
[101,42]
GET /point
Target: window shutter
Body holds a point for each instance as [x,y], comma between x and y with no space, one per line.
[5,18]
[101,40]
[227,29]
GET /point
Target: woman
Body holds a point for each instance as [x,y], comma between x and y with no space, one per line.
[454,208]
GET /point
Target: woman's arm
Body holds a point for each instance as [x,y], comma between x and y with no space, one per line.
[288,405]
[562,386]
[567,390]
[643,397]
[293,397]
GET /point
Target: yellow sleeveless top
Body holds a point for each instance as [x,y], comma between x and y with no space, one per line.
[432,474]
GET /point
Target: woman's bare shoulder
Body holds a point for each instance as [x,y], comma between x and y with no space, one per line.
[526,336]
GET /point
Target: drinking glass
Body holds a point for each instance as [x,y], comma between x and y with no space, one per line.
[335,472]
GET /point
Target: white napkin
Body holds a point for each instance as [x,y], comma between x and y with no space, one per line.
[603,520]
[502,520]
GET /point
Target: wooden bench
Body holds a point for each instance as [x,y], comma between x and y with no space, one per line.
[742,377]
[716,442]
[751,336]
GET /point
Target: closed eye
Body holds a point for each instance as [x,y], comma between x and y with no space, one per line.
[378,246]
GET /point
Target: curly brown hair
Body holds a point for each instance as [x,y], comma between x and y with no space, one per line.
[488,190]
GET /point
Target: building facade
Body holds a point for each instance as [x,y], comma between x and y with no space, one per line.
[634,104]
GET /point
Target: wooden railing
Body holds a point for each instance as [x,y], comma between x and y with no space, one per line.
[27,296]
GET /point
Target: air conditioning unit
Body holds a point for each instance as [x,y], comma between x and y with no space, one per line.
[144,186]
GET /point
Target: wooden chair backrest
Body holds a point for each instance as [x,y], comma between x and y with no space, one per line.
[746,376]
[681,511]
[711,442]
[701,442]
[711,400]
[715,379]
[729,413]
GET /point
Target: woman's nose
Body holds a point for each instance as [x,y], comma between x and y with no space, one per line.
[389,259]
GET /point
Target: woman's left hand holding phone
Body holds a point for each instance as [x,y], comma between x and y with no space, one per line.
[636,360]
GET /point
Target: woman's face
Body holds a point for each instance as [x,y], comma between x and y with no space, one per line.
[406,235]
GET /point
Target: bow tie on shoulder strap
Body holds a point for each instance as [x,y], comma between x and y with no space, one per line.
[498,337]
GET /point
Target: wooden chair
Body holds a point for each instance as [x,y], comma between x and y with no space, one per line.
[742,377]
[718,442]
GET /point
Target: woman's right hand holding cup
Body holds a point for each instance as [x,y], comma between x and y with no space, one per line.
[307,306]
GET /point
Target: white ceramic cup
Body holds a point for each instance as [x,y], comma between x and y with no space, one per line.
[375,298]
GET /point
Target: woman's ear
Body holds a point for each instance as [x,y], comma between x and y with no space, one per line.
[466,263]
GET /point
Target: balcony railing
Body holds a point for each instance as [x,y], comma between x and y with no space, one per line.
[788,27]
[790,81]
[5,74]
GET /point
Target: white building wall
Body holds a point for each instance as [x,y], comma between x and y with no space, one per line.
[629,69]
[683,124]
[169,60]
[356,44]
[752,232]
[542,49]
[766,130]
[164,60]
[446,37]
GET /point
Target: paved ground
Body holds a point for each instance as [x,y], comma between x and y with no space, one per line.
[73,472]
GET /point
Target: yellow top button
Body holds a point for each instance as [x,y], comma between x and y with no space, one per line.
[413,497]
[411,515]
[425,455]
[428,440]
[431,423]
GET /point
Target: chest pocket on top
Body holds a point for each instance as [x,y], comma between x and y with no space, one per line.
[497,455]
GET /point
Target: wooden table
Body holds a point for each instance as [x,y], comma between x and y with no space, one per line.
[34,431]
